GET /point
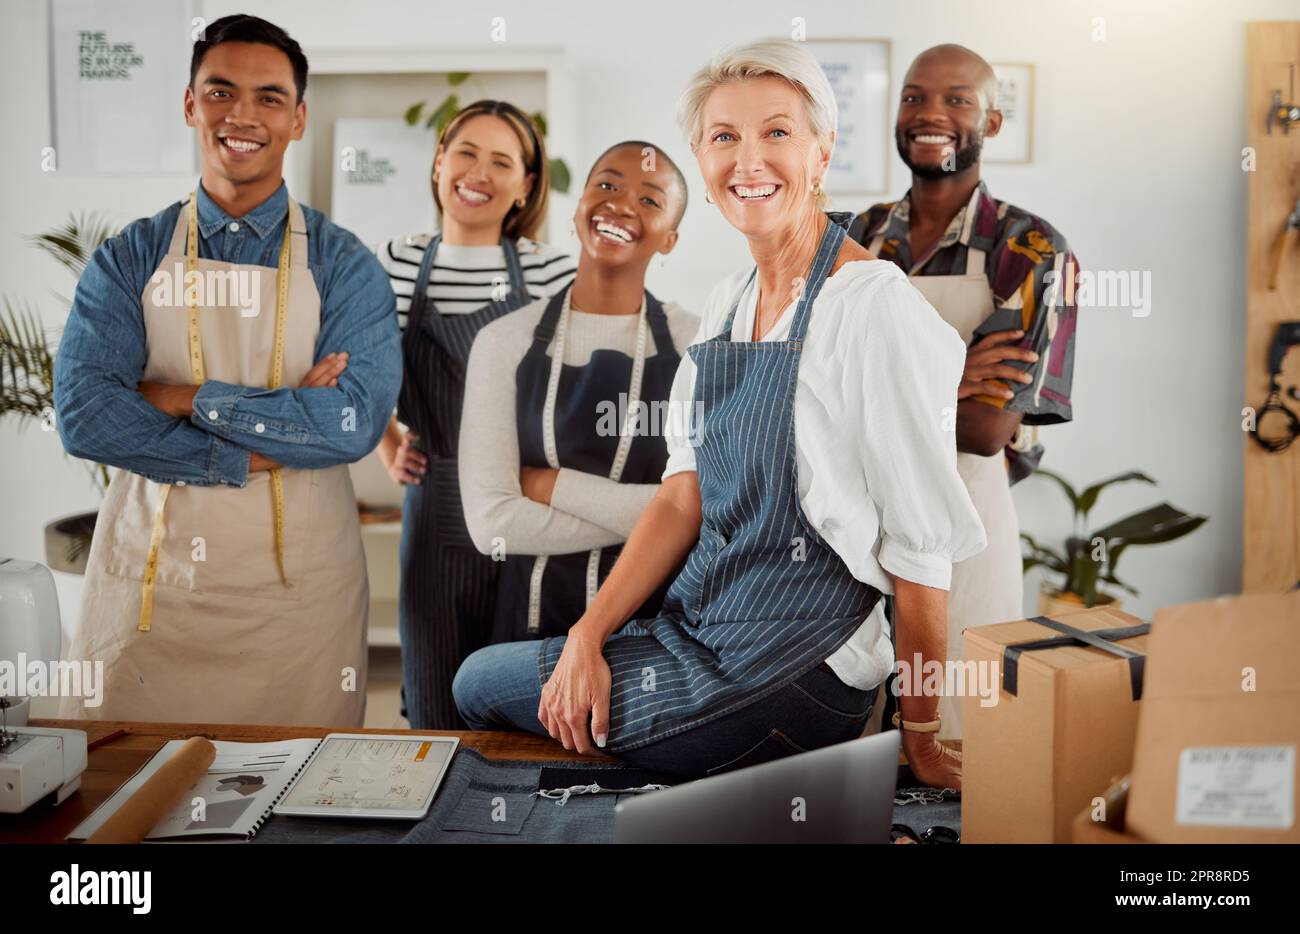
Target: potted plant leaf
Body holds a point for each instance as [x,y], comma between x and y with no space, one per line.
[27,380]
[1090,558]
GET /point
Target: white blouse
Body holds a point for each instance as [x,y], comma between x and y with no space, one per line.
[875,436]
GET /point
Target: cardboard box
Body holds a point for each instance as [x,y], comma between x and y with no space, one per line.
[1061,732]
[1220,724]
[1107,825]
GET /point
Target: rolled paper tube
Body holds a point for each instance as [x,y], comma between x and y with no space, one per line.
[156,798]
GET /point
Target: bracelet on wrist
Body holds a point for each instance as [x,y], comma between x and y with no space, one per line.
[917,726]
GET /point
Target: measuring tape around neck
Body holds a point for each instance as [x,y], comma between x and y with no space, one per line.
[197,376]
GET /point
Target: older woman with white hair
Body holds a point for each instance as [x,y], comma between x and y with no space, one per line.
[819,474]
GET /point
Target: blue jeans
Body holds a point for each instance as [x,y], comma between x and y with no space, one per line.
[498,687]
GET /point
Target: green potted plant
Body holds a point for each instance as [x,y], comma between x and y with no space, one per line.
[27,380]
[1090,558]
[441,115]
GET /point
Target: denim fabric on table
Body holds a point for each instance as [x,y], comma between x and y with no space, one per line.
[921,816]
[281,829]
[480,801]
[486,791]
[475,790]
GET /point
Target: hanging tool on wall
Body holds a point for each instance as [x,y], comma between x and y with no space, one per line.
[1285,114]
[1286,336]
[1286,241]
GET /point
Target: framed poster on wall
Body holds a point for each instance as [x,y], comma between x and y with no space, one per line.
[1015,141]
[858,70]
[118,73]
[380,187]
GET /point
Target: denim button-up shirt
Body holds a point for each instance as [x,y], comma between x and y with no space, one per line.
[101,358]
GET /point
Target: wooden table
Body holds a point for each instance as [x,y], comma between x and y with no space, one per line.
[110,765]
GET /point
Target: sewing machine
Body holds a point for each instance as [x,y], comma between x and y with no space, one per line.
[34,761]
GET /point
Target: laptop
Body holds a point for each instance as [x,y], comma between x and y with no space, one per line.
[837,794]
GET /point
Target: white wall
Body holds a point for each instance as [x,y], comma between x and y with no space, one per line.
[1136,160]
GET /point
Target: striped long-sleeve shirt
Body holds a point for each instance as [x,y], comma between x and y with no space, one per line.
[463,276]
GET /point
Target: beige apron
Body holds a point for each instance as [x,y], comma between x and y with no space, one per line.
[988,587]
[229,640]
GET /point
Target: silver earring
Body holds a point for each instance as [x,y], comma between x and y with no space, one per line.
[707,198]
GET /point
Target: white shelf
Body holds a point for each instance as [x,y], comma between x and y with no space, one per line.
[382,528]
[383,631]
[381,541]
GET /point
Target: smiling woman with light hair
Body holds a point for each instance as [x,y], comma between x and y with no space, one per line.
[821,475]
[764,59]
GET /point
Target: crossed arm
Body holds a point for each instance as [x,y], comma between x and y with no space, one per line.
[217,432]
[984,428]
[177,400]
[534,510]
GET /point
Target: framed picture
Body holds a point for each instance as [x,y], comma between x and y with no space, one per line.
[1015,142]
[380,185]
[117,74]
[858,70]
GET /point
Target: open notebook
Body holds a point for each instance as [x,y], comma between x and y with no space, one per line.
[238,791]
[345,775]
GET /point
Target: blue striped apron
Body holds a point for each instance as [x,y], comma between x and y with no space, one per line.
[762,598]
[447,594]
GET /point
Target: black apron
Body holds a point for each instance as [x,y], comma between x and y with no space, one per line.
[448,589]
[545,595]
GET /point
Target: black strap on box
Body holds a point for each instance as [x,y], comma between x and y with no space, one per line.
[1103,639]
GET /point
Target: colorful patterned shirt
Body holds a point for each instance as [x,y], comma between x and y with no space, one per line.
[1031,271]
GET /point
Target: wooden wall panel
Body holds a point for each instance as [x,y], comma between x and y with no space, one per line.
[1271,541]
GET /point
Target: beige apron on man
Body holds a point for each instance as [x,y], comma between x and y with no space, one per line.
[988,587]
[229,640]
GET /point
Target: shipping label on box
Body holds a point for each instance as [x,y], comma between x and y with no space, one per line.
[1215,760]
[1236,786]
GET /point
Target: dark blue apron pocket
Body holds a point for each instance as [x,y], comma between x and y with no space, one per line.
[485,808]
[775,745]
[444,477]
